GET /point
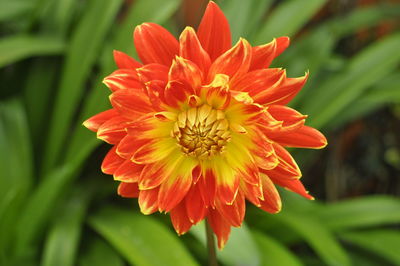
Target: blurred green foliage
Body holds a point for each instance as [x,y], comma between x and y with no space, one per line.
[57,209]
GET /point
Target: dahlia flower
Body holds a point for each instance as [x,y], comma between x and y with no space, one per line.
[199,127]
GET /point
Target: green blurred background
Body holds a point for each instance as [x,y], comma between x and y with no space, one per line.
[57,209]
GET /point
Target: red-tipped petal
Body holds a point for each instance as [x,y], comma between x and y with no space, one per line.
[272,201]
[220,226]
[151,72]
[154,44]
[234,62]
[123,79]
[128,190]
[148,201]
[179,219]
[258,81]
[195,207]
[172,191]
[128,172]
[208,187]
[96,121]
[283,93]
[291,118]
[191,49]
[153,175]
[263,55]
[304,137]
[286,160]
[113,130]
[131,103]
[252,193]
[125,61]
[227,183]
[293,185]
[186,72]
[281,44]
[234,213]
[111,162]
[128,146]
[214,32]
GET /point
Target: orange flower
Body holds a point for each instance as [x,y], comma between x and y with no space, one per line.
[199,126]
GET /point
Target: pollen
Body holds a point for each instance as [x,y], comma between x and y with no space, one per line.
[202,132]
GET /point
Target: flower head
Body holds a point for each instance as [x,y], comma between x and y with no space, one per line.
[199,126]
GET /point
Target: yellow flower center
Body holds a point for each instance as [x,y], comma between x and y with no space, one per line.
[202,131]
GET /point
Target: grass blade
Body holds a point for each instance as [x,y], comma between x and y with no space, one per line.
[138,238]
[18,47]
[82,54]
[286,19]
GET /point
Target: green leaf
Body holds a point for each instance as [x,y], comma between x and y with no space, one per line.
[21,46]
[361,212]
[243,16]
[140,239]
[16,164]
[62,241]
[384,92]
[100,253]
[317,236]
[287,19]
[97,100]
[273,252]
[12,9]
[384,243]
[337,92]
[239,250]
[81,56]
[34,216]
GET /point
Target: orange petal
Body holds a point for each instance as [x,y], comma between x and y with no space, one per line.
[154,44]
[253,193]
[283,93]
[258,81]
[172,191]
[151,72]
[128,190]
[131,103]
[234,213]
[186,72]
[218,95]
[293,185]
[152,176]
[208,188]
[125,61]
[113,130]
[177,92]
[195,207]
[286,160]
[263,55]
[304,137]
[128,146]
[214,33]
[281,44]
[227,183]
[111,161]
[180,219]
[191,49]
[291,118]
[145,153]
[96,121]
[234,62]
[272,201]
[123,79]
[148,202]
[128,172]
[220,226]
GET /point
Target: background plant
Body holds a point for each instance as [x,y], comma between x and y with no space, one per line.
[57,209]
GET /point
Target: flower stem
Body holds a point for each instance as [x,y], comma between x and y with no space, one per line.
[212,254]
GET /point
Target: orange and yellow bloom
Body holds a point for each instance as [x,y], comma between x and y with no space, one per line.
[200,126]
